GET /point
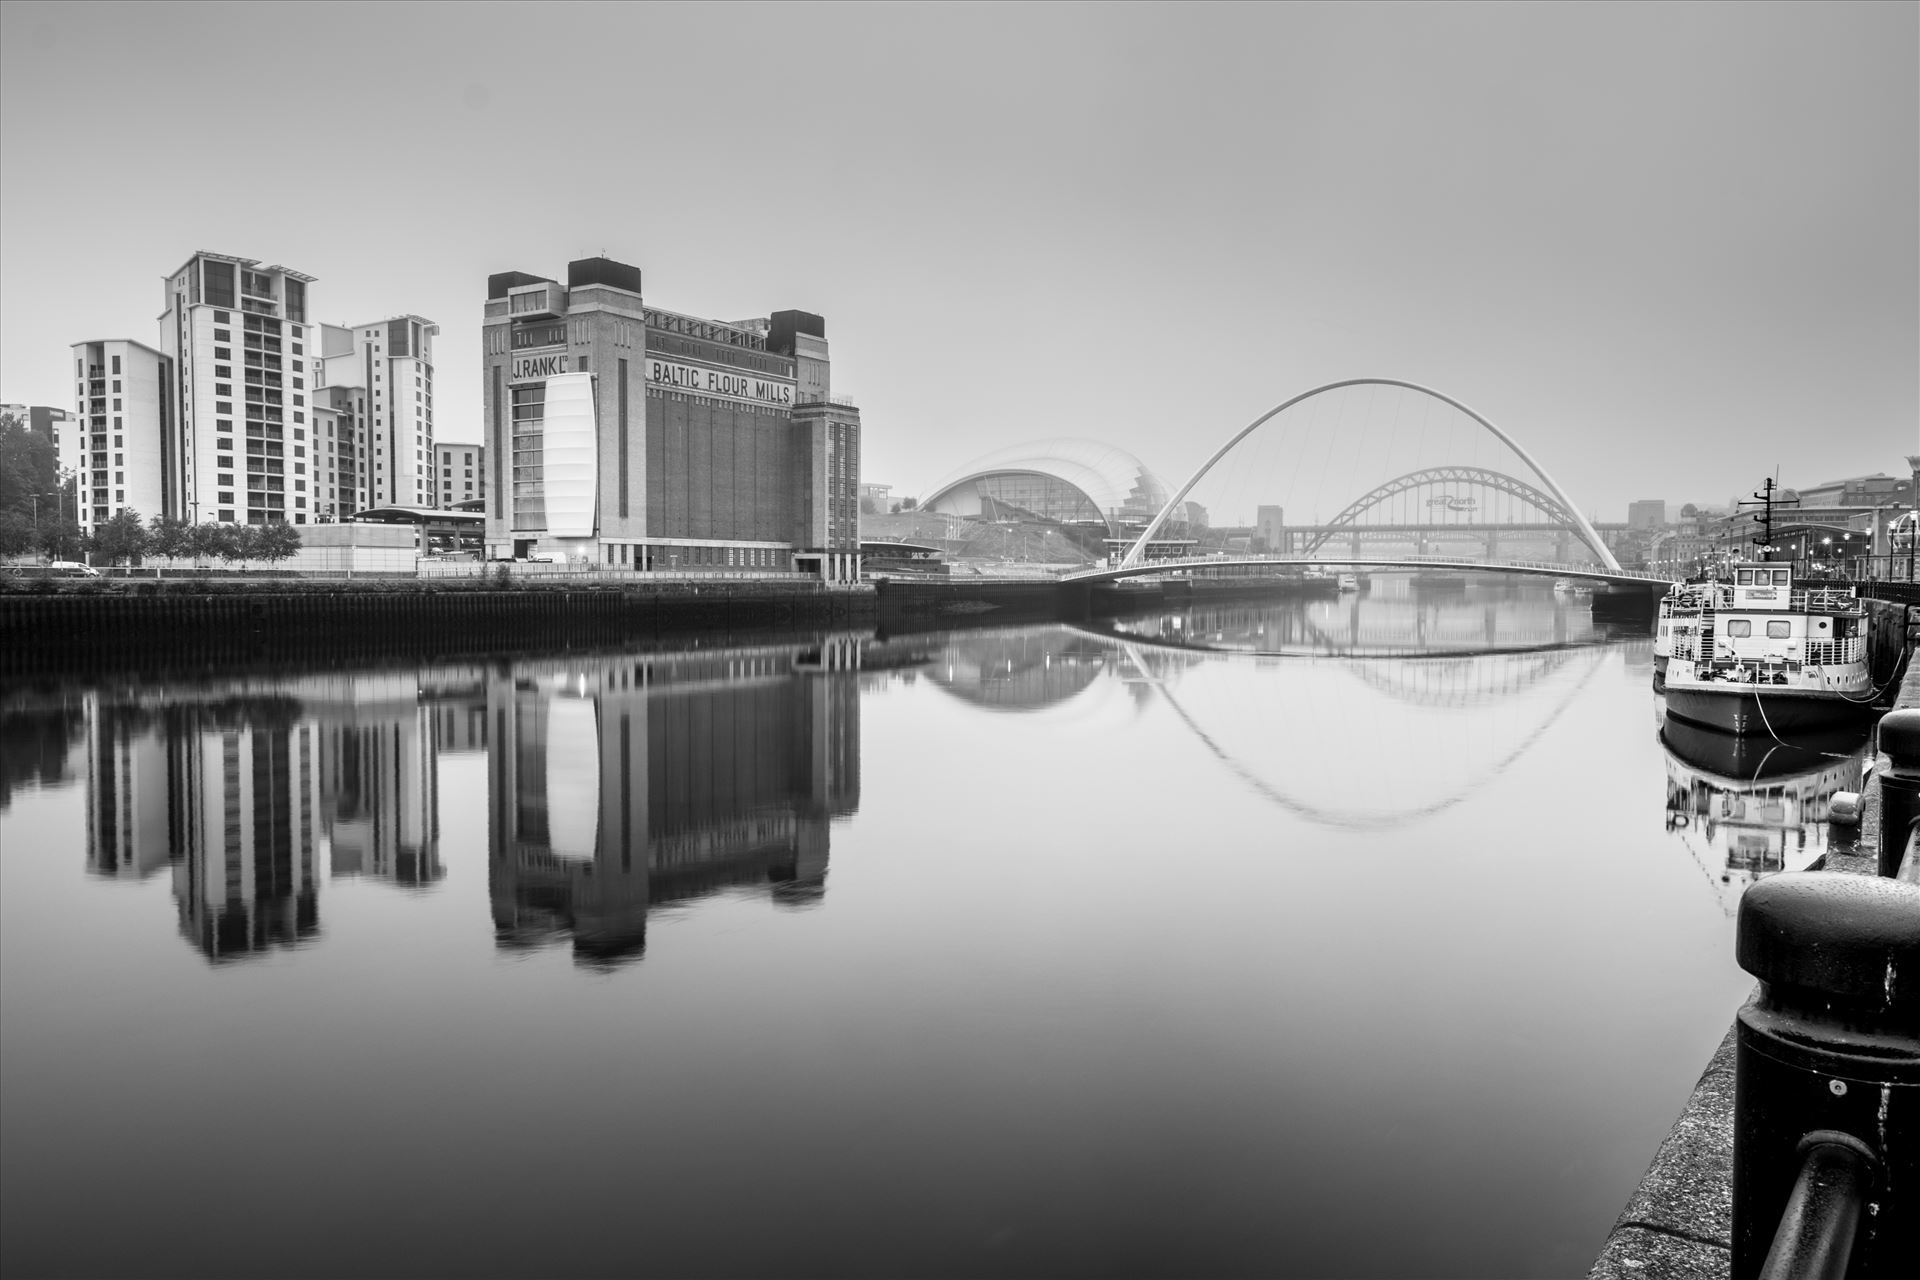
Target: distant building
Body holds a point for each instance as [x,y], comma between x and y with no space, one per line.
[459,473]
[1270,525]
[42,420]
[123,445]
[876,498]
[1062,481]
[1650,513]
[640,438]
[1877,490]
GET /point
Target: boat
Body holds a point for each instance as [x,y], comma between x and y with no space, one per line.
[1349,582]
[1764,654]
[1680,607]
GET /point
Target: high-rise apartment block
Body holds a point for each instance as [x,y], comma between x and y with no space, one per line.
[122,447]
[639,438]
[236,333]
[249,412]
[1650,513]
[460,473]
[376,383]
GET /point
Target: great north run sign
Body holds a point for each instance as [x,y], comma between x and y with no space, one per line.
[726,384]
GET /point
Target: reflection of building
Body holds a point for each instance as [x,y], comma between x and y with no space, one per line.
[378,776]
[37,738]
[617,784]
[246,876]
[240,789]
[129,828]
[1023,670]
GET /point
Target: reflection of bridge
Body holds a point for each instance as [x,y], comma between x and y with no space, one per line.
[1129,568]
[1453,723]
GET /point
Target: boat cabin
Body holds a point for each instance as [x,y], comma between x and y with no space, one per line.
[1762,586]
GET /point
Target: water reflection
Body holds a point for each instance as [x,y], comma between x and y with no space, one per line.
[1399,615]
[1048,789]
[615,784]
[624,784]
[1747,807]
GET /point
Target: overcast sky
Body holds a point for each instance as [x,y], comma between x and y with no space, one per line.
[1668,247]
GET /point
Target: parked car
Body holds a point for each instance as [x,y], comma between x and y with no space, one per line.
[71,569]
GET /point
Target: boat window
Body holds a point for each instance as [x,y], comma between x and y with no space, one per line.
[1743,578]
[1778,630]
[1780,577]
[1739,628]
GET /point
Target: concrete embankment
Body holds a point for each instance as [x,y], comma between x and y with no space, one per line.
[90,626]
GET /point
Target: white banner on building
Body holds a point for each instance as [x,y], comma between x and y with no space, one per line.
[726,384]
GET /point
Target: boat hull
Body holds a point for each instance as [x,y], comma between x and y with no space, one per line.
[1757,709]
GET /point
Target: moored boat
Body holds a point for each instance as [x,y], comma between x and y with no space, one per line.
[1763,654]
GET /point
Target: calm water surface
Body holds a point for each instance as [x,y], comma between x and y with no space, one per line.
[1373,937]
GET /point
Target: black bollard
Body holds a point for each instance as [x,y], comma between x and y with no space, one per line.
[1899,786]
[1827,1055]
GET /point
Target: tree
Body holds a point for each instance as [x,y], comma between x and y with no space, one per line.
[868,507]
[237,542]
[277,541]
[203,541]
[124,537]
[29,469]
[60,539]
[16,534]
[168,536]
[908,504]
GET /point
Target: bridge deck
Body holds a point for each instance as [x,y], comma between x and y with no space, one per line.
[1324,559]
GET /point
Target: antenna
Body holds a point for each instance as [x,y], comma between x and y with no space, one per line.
[1765,500]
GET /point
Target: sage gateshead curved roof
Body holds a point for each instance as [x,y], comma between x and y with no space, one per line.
[1064,480]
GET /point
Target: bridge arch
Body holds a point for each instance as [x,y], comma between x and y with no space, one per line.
[1498,481]
[1580,524]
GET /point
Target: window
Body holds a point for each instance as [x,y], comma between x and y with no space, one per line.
[223,353]
[1779,629]
[1782,577]
[223,371]
[116,381]
[116,404]
[221,335]
[1743,578]
[116,367]
[1739,628]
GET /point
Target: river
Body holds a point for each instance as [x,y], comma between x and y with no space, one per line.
[1378,936]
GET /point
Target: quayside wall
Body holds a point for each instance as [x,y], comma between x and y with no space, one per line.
[92,627]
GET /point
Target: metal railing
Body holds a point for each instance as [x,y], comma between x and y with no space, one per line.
[1827,1105]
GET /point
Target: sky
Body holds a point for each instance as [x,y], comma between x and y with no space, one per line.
[1669,248]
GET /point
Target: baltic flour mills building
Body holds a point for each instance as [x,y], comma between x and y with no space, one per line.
[636,438]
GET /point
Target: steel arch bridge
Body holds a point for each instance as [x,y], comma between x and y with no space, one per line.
[1557,517]
[1334,560]
[1136,554]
